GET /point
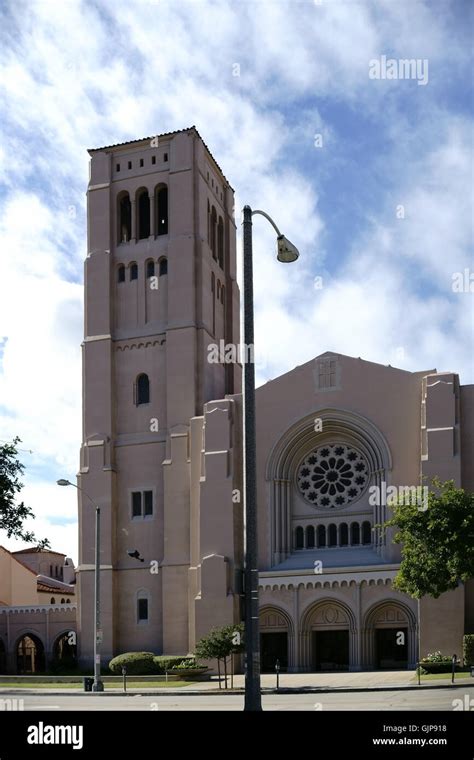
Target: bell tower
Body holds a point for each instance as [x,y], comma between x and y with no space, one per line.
[160,287]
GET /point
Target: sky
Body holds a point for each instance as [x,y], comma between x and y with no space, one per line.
[364,163]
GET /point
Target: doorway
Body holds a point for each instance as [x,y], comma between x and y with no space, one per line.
[331,650]
[391,648]
[273,647]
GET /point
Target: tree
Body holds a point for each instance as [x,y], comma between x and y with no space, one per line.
[438,543]
[12,515]
[220,644]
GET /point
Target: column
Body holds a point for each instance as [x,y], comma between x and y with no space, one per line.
[296,665]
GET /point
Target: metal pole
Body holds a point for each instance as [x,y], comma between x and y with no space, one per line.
[98,685]
[253,699]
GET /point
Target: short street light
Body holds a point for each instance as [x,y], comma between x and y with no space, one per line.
[286,253]
[98,684]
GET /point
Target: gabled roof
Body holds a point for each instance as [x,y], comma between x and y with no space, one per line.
[37,550]
[137,142]
[17,560]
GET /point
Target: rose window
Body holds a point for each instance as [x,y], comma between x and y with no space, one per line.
[332,476]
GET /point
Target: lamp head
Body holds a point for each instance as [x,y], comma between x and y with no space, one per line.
[63,482]
[286,251]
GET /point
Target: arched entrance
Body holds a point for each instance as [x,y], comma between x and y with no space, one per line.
[3,657]
[30,655]
[275,627]
[328,637]
[389,641]
[65,652]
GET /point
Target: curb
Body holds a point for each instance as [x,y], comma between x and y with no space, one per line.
[238,692]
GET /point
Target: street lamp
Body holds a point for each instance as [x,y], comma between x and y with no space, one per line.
[286,253]
[98,684]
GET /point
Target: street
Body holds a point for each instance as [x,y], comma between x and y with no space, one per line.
[425,699]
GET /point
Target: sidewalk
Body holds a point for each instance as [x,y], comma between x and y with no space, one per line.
[289,682]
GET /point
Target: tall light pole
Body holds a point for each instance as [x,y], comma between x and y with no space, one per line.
[286,253]
[98,684]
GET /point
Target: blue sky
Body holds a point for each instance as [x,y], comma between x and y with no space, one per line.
[78,74]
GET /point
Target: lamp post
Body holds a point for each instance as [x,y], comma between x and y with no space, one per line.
[286,253]
[98,684]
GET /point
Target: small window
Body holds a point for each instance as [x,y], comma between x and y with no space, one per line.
[366,533]
[153,159]
[150,269]
[129,164]
[117,167]
[299,538]
[310,537]
[141,162]
[142,609]
[62,601]
[136,504]
[344,535]
[148,498]
[222,295]
[134,271]
[121,273]
[67,601]
[163,267]
[165,157]
[52,600]
[50,571]
[143,390]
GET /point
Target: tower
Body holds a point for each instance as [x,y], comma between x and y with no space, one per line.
[160,287]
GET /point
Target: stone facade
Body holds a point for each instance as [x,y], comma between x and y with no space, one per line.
[162,446]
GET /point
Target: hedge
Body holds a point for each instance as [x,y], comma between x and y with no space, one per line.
[468,649]
[137,663]
[146,663]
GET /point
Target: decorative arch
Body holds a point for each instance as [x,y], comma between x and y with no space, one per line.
[297,442]
[328,614]
[29,650]
[388,614]
[275,620]
[161,215]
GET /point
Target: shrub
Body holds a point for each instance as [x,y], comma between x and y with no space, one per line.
[137,663]
[162,663]
[468,649]
[437,663]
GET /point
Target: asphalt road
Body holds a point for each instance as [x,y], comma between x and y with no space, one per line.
[426,699]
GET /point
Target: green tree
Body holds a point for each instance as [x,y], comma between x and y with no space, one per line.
[220,644]
[13,515]
[437,543]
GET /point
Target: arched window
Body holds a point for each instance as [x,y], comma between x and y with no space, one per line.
[134,271]
[366,533]
[299,538]
[332,535]
[310,537]
[62,600]
[218,290]
[162,210]
[67,601]
[143,390]
[214,233]
[142,606]
[343,535]
[355,534]
[52,600]
[222,294]
[209,223]
[124,218]
[121,273]
[220,243]
[321,535]
[143,210]
[163,269]
[150,269]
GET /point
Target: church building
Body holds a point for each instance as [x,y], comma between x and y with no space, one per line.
[162,445]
